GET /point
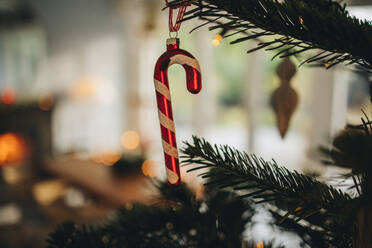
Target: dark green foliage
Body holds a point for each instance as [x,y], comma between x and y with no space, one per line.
[177,220]
[127,165]
[71,235]
[302,25]
[324,213]
[352,149]
[273,182]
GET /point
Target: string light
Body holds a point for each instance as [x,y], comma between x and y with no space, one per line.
[217,40]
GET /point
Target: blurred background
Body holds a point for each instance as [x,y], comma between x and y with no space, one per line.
[79,131]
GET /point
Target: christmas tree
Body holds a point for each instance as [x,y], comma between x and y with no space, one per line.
[319,33]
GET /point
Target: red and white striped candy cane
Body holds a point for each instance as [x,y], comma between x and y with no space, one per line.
[173,55]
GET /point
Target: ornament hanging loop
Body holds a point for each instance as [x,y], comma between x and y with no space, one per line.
[181,12]
[175,34]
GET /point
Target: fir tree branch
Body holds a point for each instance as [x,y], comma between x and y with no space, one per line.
[333,235]
[180,220]
[302,25]
[351,149]
[265,181]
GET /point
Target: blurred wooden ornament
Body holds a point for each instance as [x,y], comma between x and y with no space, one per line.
[284,99]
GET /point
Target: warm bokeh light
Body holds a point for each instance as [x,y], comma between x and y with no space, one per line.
[46,192]
[260,245]
[149,168]
[12,148]
[217,40]
[130,140]
[85,88]
[106,158]
[8,95]
[46,101]
[11,175]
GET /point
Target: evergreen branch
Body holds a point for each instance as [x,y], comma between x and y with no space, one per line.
[351,149]
[318,237]
[266,181]
[176,222]
[316,24]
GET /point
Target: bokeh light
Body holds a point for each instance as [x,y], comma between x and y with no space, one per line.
[149,168]
[108,158]
[12,148]
[46,101]
[8,95]
[84,89]
[130,140]
[46,192]
[11,175]
[217,40]
[260,245]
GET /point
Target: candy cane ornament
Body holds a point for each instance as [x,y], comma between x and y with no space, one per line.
[173,55]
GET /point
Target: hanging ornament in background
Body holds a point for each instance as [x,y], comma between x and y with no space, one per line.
[284,99]
[173,55]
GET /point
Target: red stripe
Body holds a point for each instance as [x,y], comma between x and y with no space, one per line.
[164,105]
[168,136]
[172,163]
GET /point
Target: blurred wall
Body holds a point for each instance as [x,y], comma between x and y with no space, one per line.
[85,68]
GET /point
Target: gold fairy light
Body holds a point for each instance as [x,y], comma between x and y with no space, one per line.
[260,245]
[217,40]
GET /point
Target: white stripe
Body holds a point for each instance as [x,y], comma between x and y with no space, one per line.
[170,150]
[166,122]
[171,176]
[162,89]
[184,60]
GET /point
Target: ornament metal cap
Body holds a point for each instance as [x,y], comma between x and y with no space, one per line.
[172,41]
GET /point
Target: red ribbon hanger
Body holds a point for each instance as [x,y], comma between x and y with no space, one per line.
[182,9]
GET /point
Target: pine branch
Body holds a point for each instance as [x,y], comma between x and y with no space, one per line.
[178,220]
[302,25]
[301,196]
[314,237]
[351,149]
